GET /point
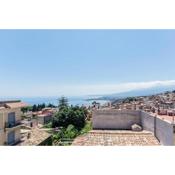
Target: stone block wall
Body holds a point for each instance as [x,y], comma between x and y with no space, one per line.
[147,121]
[114,119]
[164,132]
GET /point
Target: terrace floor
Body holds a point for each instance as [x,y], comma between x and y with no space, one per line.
[169,119]
[116,138]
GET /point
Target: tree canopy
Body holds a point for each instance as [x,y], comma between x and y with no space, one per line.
[36,108]
[75,116]
[62,103]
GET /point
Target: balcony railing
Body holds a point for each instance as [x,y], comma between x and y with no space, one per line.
[15,142]
[12,124]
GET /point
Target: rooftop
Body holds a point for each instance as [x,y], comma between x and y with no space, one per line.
[12,104]
[167,118]
[37,136]
[116,138]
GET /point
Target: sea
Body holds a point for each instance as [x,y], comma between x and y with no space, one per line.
[79,101]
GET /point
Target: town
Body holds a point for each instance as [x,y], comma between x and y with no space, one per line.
[25,125]
[162,105]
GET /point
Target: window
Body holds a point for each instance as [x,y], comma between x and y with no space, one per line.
[11,119]
[11,138]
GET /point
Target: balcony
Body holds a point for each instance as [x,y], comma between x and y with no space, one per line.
[11,125]
[15,142]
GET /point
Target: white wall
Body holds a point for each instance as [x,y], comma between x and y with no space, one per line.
[114,119]
[147,121]
[163,130]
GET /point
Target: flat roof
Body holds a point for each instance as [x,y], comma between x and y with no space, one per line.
[167,118]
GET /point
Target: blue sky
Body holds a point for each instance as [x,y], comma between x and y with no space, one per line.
[82,62]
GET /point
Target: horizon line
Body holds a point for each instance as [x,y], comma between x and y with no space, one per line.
[101,90]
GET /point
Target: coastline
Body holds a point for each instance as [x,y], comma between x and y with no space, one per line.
[54,100]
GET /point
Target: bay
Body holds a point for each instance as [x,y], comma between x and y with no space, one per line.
[54,100]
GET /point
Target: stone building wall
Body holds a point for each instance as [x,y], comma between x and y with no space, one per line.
[114,119]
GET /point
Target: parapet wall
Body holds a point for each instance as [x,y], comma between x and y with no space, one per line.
[114,119]
[123,120]
[147,121]
[163,130]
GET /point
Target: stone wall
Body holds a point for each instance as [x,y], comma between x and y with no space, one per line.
[147,121]
[4,118]
[164,132]
[123,120]
[114,119]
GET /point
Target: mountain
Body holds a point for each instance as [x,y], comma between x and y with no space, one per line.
[136,93]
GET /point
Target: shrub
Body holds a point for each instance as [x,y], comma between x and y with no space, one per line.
[87,128]
[71,132]
[48,125]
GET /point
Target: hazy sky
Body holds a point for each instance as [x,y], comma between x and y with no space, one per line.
[81,62]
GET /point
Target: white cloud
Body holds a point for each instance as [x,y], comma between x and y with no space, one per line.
[118,88]
[75,90]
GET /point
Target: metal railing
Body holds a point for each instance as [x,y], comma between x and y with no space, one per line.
[13,142]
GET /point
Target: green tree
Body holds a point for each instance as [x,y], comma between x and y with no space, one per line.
[34,108]
[26,109]
[41,106]
[70,116]
[63,103]
[51,105]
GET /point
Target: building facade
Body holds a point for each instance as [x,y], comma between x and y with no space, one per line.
[10,122]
